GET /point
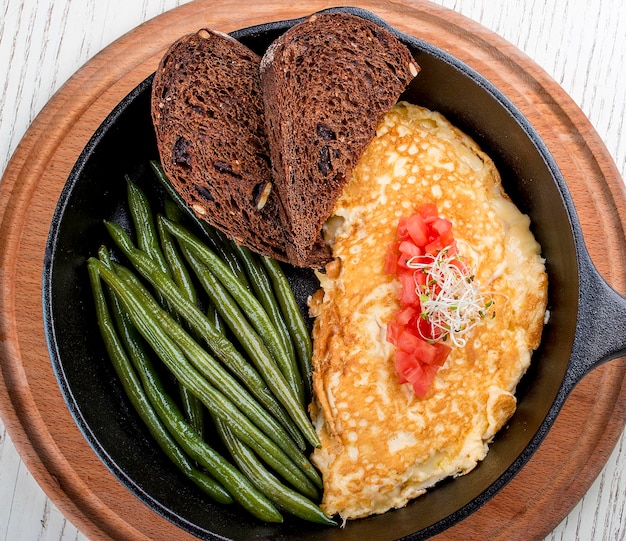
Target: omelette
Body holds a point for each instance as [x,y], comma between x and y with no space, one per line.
[381,445]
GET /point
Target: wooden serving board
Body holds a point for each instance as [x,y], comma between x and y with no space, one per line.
[31,404]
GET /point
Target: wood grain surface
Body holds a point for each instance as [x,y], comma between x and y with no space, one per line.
[42,43]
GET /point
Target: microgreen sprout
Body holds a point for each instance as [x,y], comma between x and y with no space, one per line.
[451,300]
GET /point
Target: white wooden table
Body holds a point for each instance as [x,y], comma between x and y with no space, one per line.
[581,43]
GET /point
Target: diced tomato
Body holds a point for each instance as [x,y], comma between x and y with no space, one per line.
[442,226]
[423,328]
[408,295]
[409,249]
[402,232]
[415,374]
[408,342]
[420,279]
[443,351]
[391,263]
[393,247]
[418,354]
[405,363]
[393,331]
[426,377]
[409,370]
[406,316]
[444,230]
[411,343]
[436,245]
[417,229]
[438,353]
[453,249]
[429,212]
[401,264]
[459,264]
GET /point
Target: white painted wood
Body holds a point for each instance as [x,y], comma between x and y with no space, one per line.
[581,44]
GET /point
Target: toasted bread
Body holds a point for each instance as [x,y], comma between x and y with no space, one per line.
[208,116]
[327,83]
[262,148]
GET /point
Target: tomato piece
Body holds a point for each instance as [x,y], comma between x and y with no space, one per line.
[414,376]
[406,316]
[412,343]
[391,263]
[408,295]
[409,249]
[393,331]
[443,351]
[420,279]
[418,354]
[408,342]
[444,230]
[441,226]
[429,212]
[402,232]
[434,246]
[423,328]
[435,354]
[417,229]
[401,264]
[405,363]
[459,264]
[453,249]
[424,381]
[410,371]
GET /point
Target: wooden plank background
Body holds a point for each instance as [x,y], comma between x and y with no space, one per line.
[581,44]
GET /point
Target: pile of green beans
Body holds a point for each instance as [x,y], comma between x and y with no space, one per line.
[225,325]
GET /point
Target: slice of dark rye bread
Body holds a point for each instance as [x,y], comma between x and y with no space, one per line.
[327,82]
[207,112]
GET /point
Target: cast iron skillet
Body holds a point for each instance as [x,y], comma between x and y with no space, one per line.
[587,324]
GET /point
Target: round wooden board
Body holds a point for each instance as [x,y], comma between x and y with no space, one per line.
[31,404]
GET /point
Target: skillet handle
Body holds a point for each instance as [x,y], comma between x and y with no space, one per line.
[601,327]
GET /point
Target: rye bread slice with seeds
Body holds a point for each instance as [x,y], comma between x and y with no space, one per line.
[327,82]
[207,111]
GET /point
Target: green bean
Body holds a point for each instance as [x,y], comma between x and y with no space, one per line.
[238,485]
[209,232]
[194,411]
[140,402]
[230,313]
[286,498]
[165,182]
[256,315]
[262,287]
[218,343]
[227,248]
[223,247]
[214,317]
[193,408]
[178,271]
[275,381]
[218,404]
[141,214]
[148,241]
[293,317]
[206,365]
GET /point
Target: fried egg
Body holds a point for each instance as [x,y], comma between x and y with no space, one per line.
[382,446]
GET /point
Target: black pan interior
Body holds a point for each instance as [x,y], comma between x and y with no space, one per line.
[96,190]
